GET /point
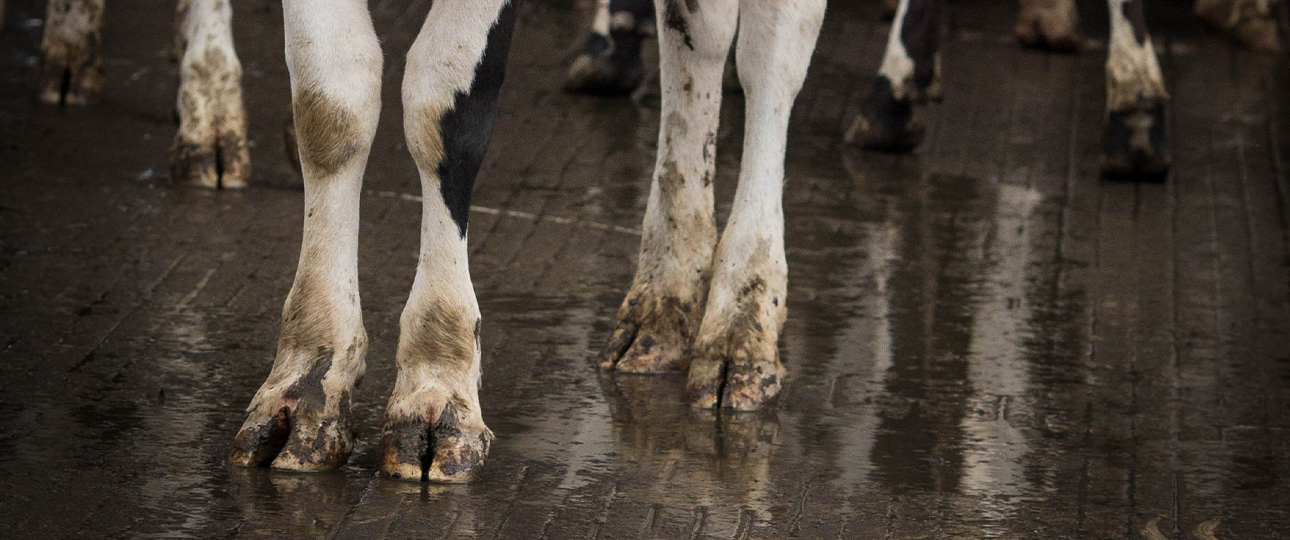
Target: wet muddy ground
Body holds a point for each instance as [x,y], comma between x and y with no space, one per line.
[983,339]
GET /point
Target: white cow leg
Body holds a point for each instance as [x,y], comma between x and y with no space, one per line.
[71,67]
[434,428]
[660,315]
[1134,142]
[736,358]
[210,148]
[300,418]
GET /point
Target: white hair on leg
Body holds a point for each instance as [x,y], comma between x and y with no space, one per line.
[300,417]
[736,360]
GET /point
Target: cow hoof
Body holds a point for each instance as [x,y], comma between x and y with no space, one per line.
[210,148]
[222,163]
[71,68]
[653,334]
[447,445]
[1053,26]
[597,74]
[297,437]
[885,123]
[1135,145]
[739,370]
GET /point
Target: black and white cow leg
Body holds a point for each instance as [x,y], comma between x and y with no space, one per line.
[1253,23]
[434,428]
[300,417]
[910,75]
[210,149]
[71,66]
[1134,143]
[1049,24]
[660,315]
[610,62]
[736,361]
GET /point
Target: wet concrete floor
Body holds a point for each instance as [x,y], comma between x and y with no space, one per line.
[983,339]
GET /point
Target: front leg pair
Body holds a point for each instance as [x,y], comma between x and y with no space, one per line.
[739,286]
[433,429]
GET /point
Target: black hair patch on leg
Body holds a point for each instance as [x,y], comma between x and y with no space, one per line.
[468,127]
[1133,12]
[920,33]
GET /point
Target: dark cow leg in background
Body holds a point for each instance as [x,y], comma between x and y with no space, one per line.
[434,428]
[1134,143]
[1049,24]
[910,74]
[71,67]
[610,62]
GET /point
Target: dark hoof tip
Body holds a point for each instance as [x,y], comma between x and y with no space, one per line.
[1134,147]
[597,76]
[886,123]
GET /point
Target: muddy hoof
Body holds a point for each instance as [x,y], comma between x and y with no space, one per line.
[296,440]
[222,163]
[885,124]
[442,450]
[71,67]
[740,373]
[1135,146]
[1052,27]
[651,337]
[210,149]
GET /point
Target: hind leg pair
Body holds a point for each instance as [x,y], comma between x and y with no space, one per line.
[715,308]
[300,418]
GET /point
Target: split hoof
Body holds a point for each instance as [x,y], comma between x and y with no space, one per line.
[651,337]
[71,67]
[442,450]
[885,123]
[294,440]
[221,163]
[1135,145]
[741,373]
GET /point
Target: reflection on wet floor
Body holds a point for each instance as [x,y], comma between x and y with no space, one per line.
[983,340]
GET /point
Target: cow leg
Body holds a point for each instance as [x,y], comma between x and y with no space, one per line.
[610,62]
[450,86]
[1134,144]
[1252,22]
[300,417]
[210,147]
[1049,24]
[71,68]
[910,74]
[736,357]
[660,315]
